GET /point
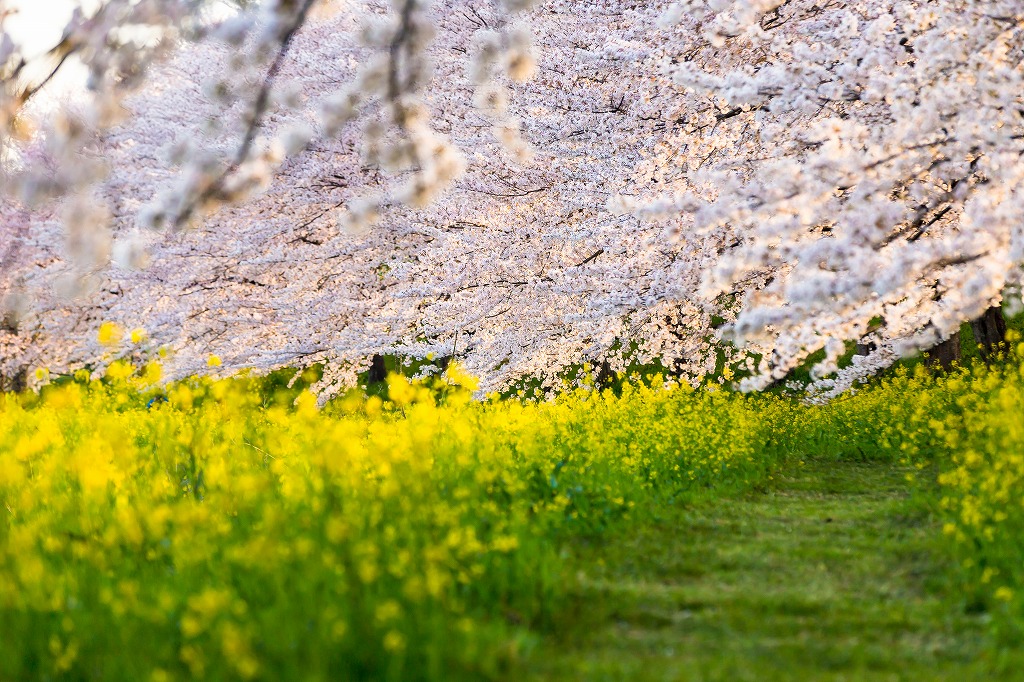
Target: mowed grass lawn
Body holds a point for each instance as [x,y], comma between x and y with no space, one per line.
[834,572]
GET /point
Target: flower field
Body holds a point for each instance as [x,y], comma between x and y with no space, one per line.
[208,530]
[964,432]
[213,536]
[439,340]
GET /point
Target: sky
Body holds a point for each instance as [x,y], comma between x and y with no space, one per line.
[37,24]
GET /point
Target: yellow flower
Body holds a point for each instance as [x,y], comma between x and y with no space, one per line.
[213,361]
[151,373]
[394,641]
[458,376]
[138,335]
[110,334]
[120,370]
[505,543]
[400,391]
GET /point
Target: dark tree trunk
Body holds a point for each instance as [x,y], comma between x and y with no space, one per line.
[989,331]
[16,383]
[605,376]
[870,347]
[946,353]
[378,370]
[866,348]
[9,322]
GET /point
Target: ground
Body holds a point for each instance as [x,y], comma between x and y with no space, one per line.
[834,572]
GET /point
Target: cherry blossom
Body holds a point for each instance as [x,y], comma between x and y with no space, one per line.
[525,186]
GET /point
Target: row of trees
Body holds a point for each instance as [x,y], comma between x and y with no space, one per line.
[520,185]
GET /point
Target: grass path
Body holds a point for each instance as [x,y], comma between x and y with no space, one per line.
[832,574]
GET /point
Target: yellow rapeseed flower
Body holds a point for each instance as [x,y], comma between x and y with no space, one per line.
[110,334]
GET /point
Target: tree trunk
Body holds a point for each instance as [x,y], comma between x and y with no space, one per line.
[9,322]
[605,376]
[378,370]
[989,331]
[866,348]
[15,383]
[946,353]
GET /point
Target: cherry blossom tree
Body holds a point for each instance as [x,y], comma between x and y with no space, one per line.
[866,155]
[526,188]
[293,275]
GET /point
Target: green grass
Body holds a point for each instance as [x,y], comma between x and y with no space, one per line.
[229,532]
[833,573]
